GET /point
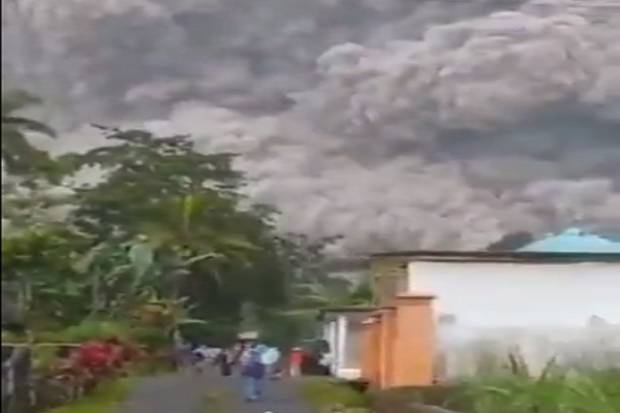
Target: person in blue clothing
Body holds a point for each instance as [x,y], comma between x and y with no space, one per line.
[253,372]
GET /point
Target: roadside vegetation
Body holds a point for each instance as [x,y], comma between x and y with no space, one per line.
[159,241]
[334,396]
[104,399]
[554,391]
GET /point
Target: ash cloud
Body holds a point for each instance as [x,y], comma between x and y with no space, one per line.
[399,124]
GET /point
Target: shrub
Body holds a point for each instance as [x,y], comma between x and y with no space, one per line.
[104,399]
[87,330]
[152,338]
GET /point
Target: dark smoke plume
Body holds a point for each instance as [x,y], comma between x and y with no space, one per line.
[399,124]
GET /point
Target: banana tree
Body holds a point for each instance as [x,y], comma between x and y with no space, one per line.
[116,271]
[192,231]
[169,315]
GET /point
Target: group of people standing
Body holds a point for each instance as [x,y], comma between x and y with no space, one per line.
[254,361]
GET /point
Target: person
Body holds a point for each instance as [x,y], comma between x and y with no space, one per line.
[236,353]
[270,358]
[296,358]
[224,362]
[201,355]
[184,356]
[253,372]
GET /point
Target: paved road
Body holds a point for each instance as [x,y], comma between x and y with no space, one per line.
[209,393]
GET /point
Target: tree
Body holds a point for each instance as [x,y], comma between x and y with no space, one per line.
[144,174]
[40,260]
[210,243]
[18,155]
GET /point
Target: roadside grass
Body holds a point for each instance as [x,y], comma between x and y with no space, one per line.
[104,398]
[333,396]
[553,391]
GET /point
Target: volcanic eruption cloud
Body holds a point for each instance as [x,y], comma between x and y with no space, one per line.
[397,124]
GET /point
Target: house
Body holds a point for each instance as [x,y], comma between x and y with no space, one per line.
[442,315]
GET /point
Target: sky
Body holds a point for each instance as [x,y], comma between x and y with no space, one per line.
[397,124]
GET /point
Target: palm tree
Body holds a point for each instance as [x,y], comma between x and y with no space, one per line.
[18,155]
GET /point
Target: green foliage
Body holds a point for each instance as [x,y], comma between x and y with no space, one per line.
[104,399]
[205,245]
[145,176]
[44,357]
[326,395]
[152,338]
[40,260]
[362,294]
[87,330]
[166,223]
[552,392]
[285,328]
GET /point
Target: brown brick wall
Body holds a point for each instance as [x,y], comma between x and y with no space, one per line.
[390,278]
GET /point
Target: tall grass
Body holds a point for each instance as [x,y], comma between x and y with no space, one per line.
[512,388]
[554,391]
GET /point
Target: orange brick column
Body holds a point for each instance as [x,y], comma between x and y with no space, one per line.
[386,339]
[370,350]
[414,344]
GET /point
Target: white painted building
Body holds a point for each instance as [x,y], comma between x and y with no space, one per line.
[539,308]
[342,329]
[558,298]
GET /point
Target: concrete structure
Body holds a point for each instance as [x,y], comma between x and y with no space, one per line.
[342,329]
[444,315]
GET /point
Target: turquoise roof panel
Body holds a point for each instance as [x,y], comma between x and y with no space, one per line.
[573,240]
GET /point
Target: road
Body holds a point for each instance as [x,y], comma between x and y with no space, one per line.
[209,393]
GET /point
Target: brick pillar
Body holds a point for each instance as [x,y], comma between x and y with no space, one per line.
[370,350]
[387,337]
[414,343]
[389,276]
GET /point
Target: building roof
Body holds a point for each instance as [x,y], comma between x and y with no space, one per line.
[501,256]
[345,310]
[573,240]
[572,245]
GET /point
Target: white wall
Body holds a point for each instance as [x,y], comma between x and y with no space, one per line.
[526,295]
[535,310]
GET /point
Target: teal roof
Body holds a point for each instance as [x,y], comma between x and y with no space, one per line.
[573,240]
